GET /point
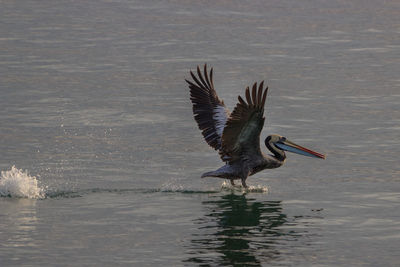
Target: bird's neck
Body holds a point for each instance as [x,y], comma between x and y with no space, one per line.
[278,153]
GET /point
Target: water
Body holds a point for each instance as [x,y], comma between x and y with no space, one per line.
[95,117]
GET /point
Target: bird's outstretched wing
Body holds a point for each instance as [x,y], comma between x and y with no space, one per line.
[209,111]
[241,135]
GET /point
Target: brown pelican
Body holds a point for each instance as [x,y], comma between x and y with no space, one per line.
[236,135]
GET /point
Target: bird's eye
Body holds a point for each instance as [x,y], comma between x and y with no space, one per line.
[283,138]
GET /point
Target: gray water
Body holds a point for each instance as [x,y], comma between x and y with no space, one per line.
[94,108]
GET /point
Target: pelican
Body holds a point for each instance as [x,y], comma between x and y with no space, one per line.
[236,135]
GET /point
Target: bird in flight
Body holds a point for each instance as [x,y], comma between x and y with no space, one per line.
[236,135]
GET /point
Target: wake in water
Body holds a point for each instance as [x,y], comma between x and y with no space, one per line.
[178,185]
[18,183]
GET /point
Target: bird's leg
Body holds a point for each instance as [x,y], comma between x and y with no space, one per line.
[232,183]
[244,183]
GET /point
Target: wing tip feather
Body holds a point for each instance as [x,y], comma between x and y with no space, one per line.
[260,91]
[254,96]
[264,97]
[248,98]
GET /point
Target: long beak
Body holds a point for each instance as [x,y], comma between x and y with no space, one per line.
[292,147]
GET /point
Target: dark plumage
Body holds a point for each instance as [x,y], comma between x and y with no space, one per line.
[236,135]
[209,111]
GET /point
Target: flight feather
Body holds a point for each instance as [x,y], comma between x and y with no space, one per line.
[209,111]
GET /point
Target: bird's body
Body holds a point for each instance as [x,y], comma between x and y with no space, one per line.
[236,135]
[241,169]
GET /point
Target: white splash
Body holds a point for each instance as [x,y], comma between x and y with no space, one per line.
[251,189]
[172,185]
[18,183]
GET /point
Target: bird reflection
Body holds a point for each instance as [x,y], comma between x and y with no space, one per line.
[237,230]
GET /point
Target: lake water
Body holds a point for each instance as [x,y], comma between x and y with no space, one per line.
[96,118]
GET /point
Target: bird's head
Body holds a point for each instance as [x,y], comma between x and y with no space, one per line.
[278,145]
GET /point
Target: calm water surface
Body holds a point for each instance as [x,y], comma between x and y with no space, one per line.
[94,109]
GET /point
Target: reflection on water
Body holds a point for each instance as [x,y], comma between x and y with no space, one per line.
[239,230]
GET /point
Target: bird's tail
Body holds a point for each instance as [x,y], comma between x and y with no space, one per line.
[211,174]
